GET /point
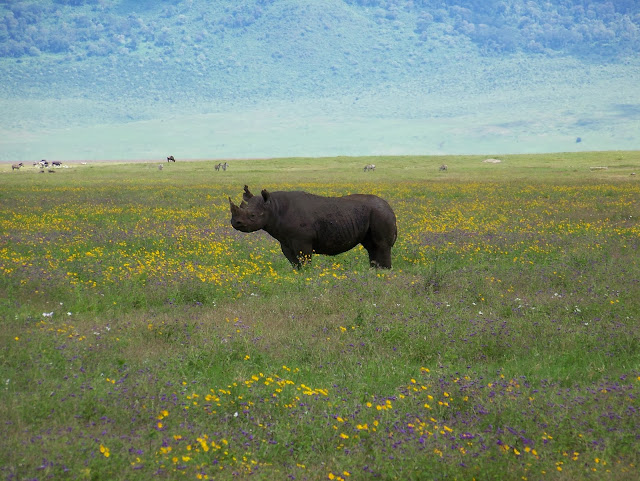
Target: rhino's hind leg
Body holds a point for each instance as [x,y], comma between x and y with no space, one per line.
[380,257]
[379,254]
[378,243]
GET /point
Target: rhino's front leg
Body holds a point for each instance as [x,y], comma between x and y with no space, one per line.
[290,255]
[298,255]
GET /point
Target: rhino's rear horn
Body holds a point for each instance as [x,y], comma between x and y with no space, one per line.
[247,194]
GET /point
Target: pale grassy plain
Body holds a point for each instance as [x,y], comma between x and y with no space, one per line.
[142,337]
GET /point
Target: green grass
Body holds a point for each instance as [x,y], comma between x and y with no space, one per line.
[143,337]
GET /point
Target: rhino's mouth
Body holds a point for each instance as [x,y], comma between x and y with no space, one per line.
[241,226]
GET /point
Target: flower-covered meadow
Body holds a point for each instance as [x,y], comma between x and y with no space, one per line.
[142,337]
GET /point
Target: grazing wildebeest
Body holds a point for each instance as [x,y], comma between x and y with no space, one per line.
[443,167]
[56,163]
[305,224]
[369,167]
[16,166]
[171,158]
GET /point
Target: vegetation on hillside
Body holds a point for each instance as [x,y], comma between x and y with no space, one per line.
[105,27]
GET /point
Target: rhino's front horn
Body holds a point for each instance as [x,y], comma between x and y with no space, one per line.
[234,208]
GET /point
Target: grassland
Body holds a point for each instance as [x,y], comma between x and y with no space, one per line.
[142,337]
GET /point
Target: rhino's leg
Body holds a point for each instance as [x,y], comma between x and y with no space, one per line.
[380,257]
[379,252]
[297,255]
[290,255]
[380,238]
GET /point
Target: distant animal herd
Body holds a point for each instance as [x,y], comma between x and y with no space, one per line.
[46,166]
[221,166]
[49,166]
[42,165]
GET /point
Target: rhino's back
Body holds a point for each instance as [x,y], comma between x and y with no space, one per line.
[337,224]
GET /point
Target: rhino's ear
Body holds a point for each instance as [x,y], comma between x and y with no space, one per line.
[243,205]
[266,195]
[247,194]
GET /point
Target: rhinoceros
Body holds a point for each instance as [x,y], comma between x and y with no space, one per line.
[305,224]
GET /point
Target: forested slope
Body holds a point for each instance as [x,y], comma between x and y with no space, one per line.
[104,27]
[68,63]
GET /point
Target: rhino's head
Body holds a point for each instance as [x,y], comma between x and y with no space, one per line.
[253,212]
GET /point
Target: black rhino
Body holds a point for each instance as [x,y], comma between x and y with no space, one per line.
[305,224]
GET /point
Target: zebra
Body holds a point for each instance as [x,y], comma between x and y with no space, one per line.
[16,166]
[443,167]
[369,167]
[222,166]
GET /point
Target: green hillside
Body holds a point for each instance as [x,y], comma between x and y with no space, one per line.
[315,77]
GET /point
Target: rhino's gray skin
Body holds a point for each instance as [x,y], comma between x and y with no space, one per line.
[306,224]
